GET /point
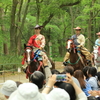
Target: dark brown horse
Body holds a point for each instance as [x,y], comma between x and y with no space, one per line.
[76,59]
[32,61]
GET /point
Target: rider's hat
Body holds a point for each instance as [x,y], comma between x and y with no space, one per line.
[98,33]
[77,28]
[38,26]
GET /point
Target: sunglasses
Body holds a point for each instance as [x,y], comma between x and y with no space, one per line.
[78,30]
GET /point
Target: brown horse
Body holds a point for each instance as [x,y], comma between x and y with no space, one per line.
[32,61]
[76,59]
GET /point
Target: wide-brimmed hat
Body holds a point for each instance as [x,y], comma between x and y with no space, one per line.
[8,87]
[77,28]
[58,94]
[98,33]
[38,26]
[27,91]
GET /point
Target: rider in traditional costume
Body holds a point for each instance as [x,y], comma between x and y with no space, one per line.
[97,47]
[37,41]
[79,41]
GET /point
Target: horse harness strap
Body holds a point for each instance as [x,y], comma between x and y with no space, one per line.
[81,59]
[41,63]
[36,54]
[75,62]
[27,72]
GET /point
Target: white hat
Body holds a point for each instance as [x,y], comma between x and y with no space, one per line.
[27,91]
[8,87]
[58,94]
[38,26]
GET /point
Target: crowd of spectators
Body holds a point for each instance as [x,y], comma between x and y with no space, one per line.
[77,85]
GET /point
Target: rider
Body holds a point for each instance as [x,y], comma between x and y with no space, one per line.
[97,42]
[79,41]
[37,41]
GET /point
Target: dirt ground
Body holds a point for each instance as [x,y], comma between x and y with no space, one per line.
[21,77]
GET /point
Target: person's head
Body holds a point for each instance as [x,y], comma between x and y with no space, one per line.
[8,88]
[38,78]
[54,71]
[69,69]
[98,75]
[80,76]
[85,70]
[18,83]
[98,34]
[37,29]
[68,88]
[92,98]
[58,94]
[92,71]
[77,30]
[27,91]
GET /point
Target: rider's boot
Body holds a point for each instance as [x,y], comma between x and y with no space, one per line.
[65,63]
[88,62]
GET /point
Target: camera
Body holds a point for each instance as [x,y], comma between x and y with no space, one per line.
[61,77]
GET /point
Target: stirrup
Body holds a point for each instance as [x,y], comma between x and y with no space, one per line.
[65,63]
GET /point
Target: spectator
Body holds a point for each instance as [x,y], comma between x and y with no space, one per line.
[8,88]
[54,71]
[85,70]
[70,70]
[68,88]
[58,94]
[84,85]
[92,71]
[80,94]
[98,78]
[46,67]
[95,94]
[18,83]
[92,98]
[27,91]
[38,78]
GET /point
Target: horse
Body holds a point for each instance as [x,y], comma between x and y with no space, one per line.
[96,56]
[76,59]
[33,64]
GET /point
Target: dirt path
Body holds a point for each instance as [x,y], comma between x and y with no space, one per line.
[21,77]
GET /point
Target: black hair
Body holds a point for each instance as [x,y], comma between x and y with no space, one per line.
[37,78]
[54,71]
[85,69]
[92,71]
[92,98]
[18,83]
[98,76]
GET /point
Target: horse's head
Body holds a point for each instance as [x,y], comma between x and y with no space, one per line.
[29,54]
[70,44]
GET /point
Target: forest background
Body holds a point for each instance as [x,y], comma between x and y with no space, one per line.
[58,18]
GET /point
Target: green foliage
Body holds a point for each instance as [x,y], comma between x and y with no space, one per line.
[9,61]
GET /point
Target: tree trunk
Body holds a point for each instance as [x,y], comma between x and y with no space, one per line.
[3,30]
[38,11]
[13,27]
[90,29]
[72,20]
[20,28]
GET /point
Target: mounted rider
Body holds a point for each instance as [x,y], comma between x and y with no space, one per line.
[37,41]
[97,42]
[79,41]
[97,45]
